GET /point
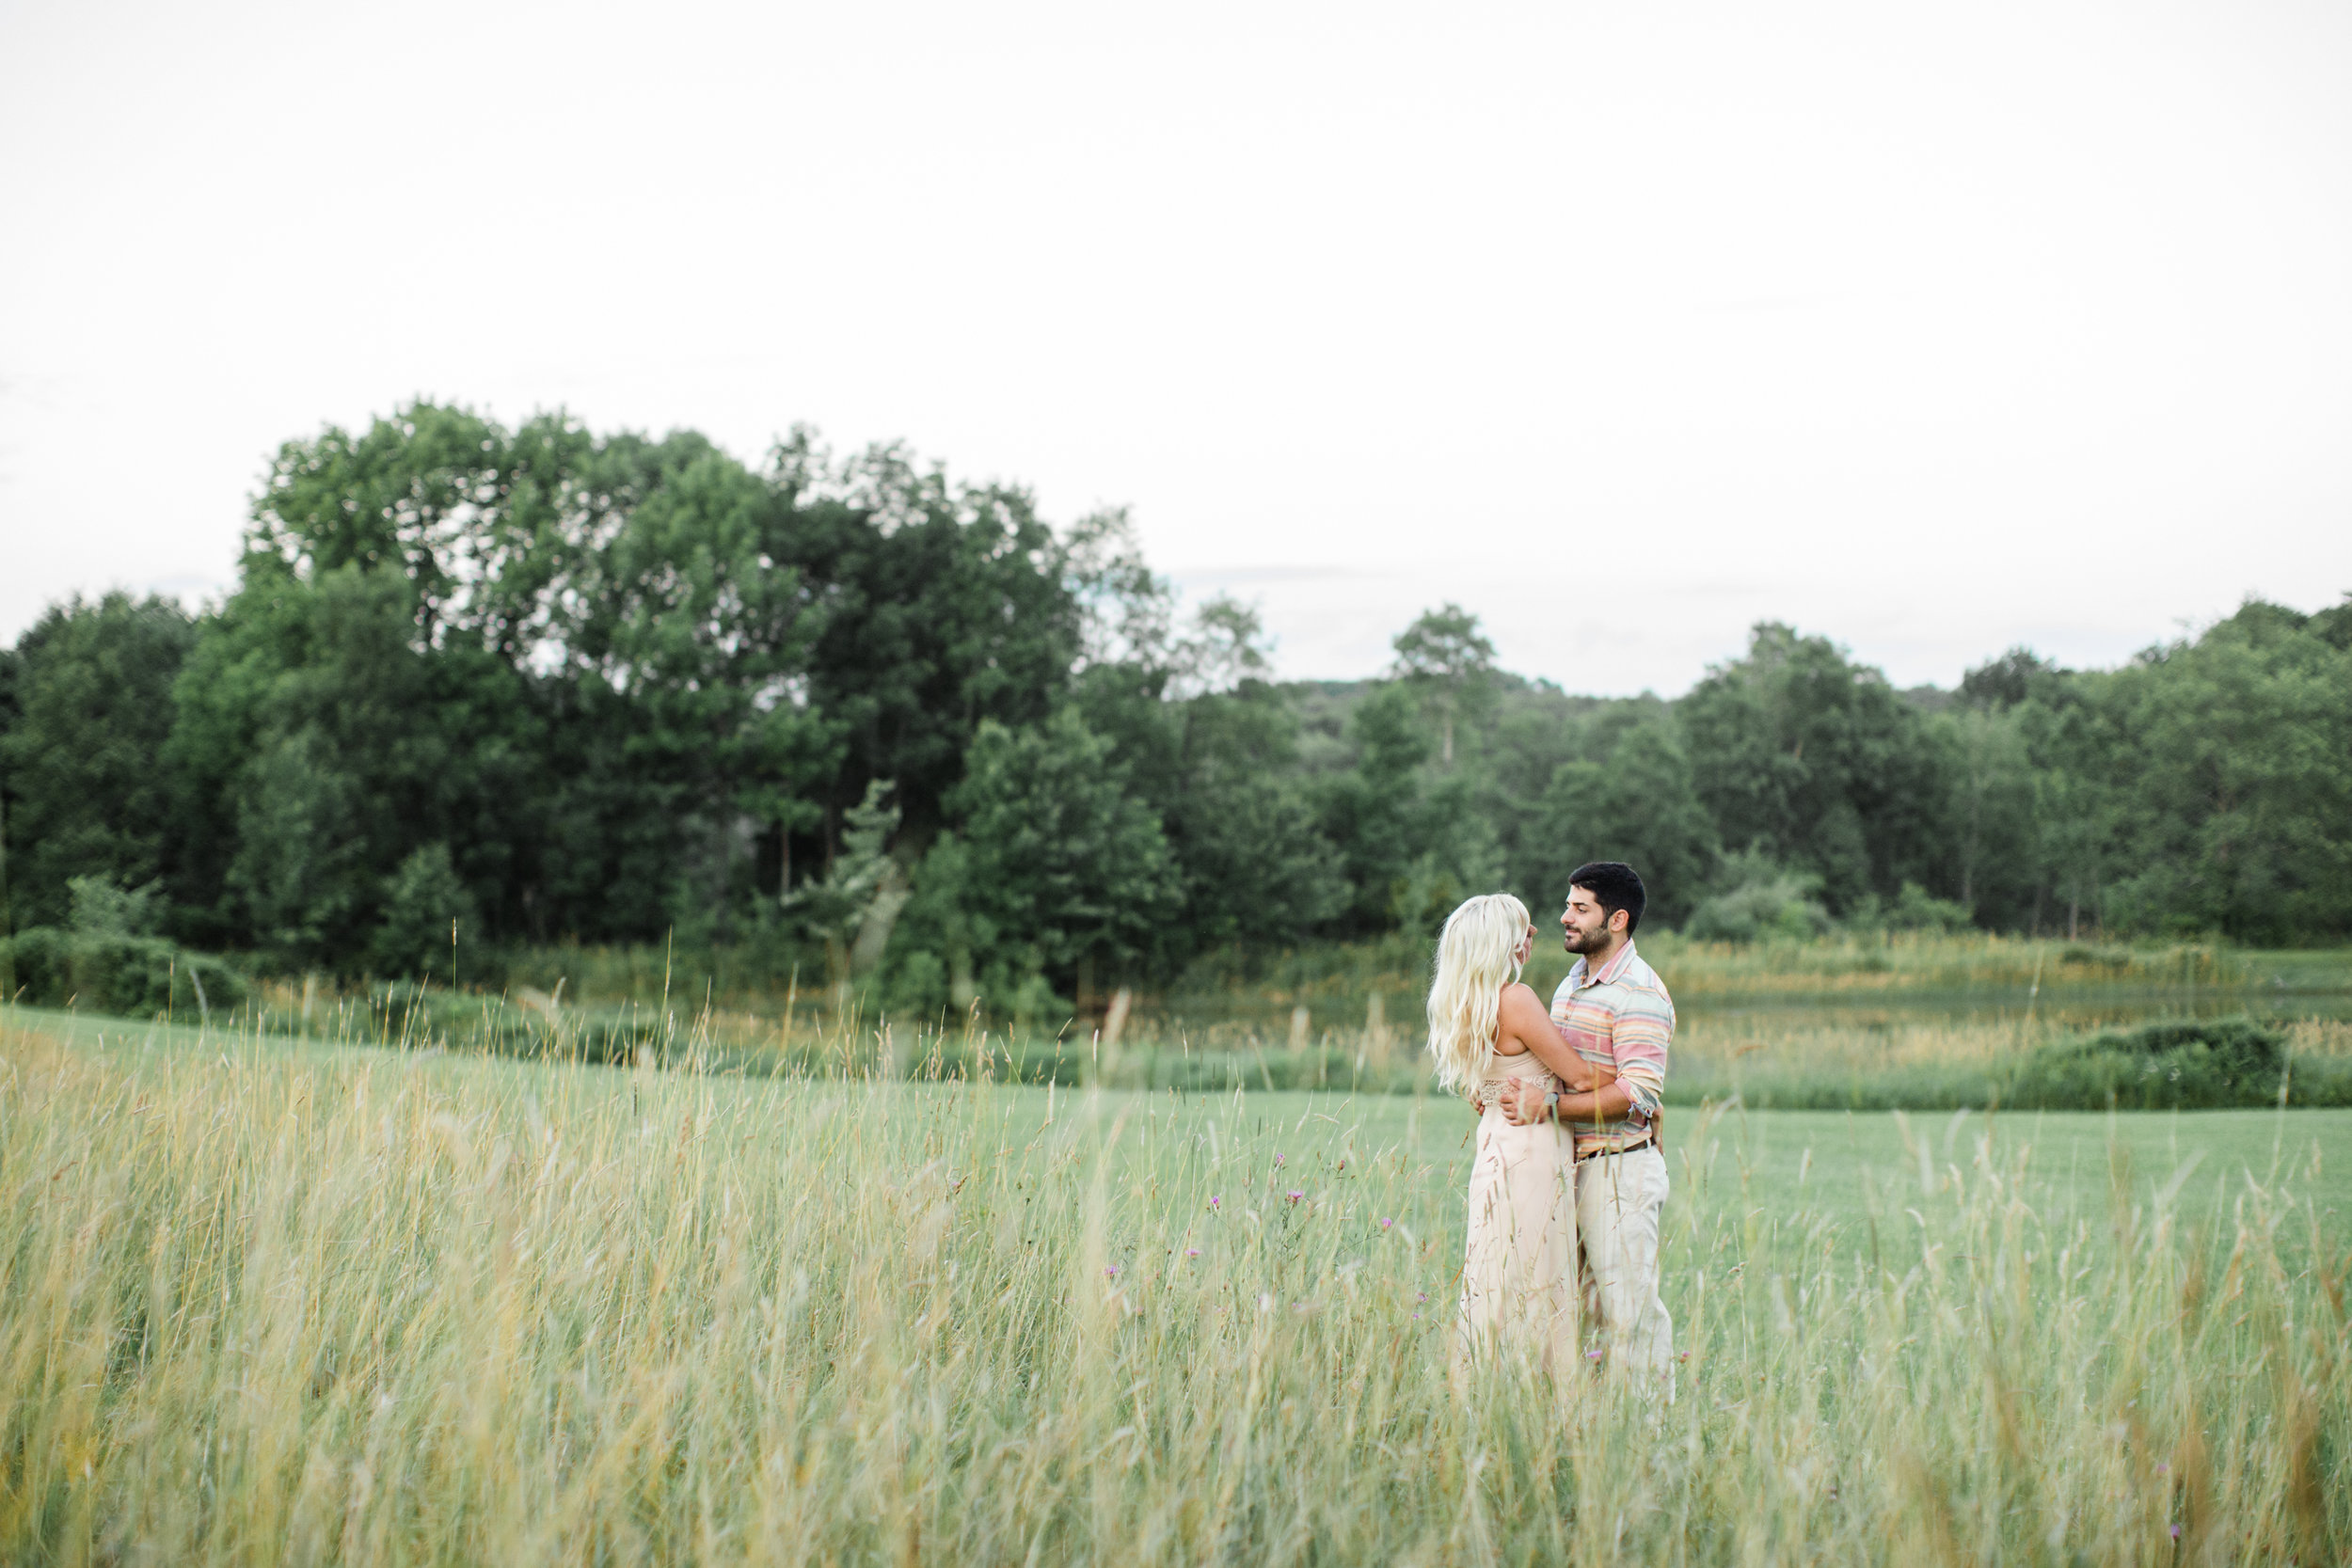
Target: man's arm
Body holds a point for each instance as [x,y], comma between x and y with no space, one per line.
[1639,1036]
[1638,1039]
[1604,1104]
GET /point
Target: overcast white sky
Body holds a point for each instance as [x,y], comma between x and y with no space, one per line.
[1935,329]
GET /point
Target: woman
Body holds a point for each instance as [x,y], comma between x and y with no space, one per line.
[1489,1034]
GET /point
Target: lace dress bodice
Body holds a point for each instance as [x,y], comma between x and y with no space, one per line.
[1503,1073]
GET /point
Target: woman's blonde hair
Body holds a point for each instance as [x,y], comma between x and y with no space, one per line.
[1478,955]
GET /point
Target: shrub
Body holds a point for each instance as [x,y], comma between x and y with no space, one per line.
[424,902]
[1777,906]
[111,972]
[918,985]
[100,907]
[1914,909]
[403,1013]
[43,967]
[2189,1064]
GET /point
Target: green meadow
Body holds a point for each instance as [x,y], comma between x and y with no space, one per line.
[269,1299]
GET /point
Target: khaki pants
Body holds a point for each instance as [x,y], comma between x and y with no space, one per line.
[1619,1198]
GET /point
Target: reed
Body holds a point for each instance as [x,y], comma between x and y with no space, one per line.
[353,1306]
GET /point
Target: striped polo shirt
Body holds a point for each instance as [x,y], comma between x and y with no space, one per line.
[1620,1018]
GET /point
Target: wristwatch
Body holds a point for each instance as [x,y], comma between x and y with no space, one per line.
[1551,1102]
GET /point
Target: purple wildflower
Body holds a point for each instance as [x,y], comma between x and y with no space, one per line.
[1295,1195]
[1213,1202]
[1192,1252]
[2176,1532]
[1111,1272]
[1592,1356]
[1278,1158]
[1385,1224]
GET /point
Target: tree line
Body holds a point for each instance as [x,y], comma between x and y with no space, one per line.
[550,686]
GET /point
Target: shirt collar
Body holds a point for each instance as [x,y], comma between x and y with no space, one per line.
[1580,974]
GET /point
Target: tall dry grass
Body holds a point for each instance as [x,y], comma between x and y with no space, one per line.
[355,1306]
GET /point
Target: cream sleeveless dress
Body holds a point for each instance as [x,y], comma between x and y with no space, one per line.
[1518,1270]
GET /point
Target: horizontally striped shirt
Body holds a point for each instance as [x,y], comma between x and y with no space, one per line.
[1620,1018]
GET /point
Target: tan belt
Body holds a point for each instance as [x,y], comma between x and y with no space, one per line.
[1654,1136]
[1604,1153]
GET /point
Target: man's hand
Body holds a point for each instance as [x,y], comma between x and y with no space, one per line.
[1524,1105]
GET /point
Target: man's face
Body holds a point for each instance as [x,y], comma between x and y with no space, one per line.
[1583,925]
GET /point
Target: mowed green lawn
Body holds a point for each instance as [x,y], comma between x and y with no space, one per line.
[262,1299]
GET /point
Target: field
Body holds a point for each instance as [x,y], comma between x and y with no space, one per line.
[267,1299]
[1886,1020]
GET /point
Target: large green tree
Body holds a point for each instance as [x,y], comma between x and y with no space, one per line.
[1446,658]
[690,662]
[579,664]
[944,607]
[1213,748]
[2232,759]
[545,682]
[1256,866]
[1819,763]
[1637,801]
[91,693]
[1059,867]
[1411,840]
[320,743]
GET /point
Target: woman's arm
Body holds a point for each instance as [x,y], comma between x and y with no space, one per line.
[1525,1020]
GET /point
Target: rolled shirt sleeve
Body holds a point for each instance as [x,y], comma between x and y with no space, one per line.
[1643,1030]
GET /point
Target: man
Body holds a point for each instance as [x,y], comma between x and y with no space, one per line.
[1615,1010]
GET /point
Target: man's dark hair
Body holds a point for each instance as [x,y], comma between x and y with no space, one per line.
[1615,886]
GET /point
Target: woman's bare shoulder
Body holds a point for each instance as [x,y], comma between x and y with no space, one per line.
[1511,1019]
[1525,1017]
[1518,994]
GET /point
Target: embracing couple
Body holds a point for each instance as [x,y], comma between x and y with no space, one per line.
[1570,1180]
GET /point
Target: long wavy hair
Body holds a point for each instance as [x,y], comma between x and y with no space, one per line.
[1478,955]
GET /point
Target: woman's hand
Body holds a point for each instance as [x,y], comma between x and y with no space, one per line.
[1525,1105]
